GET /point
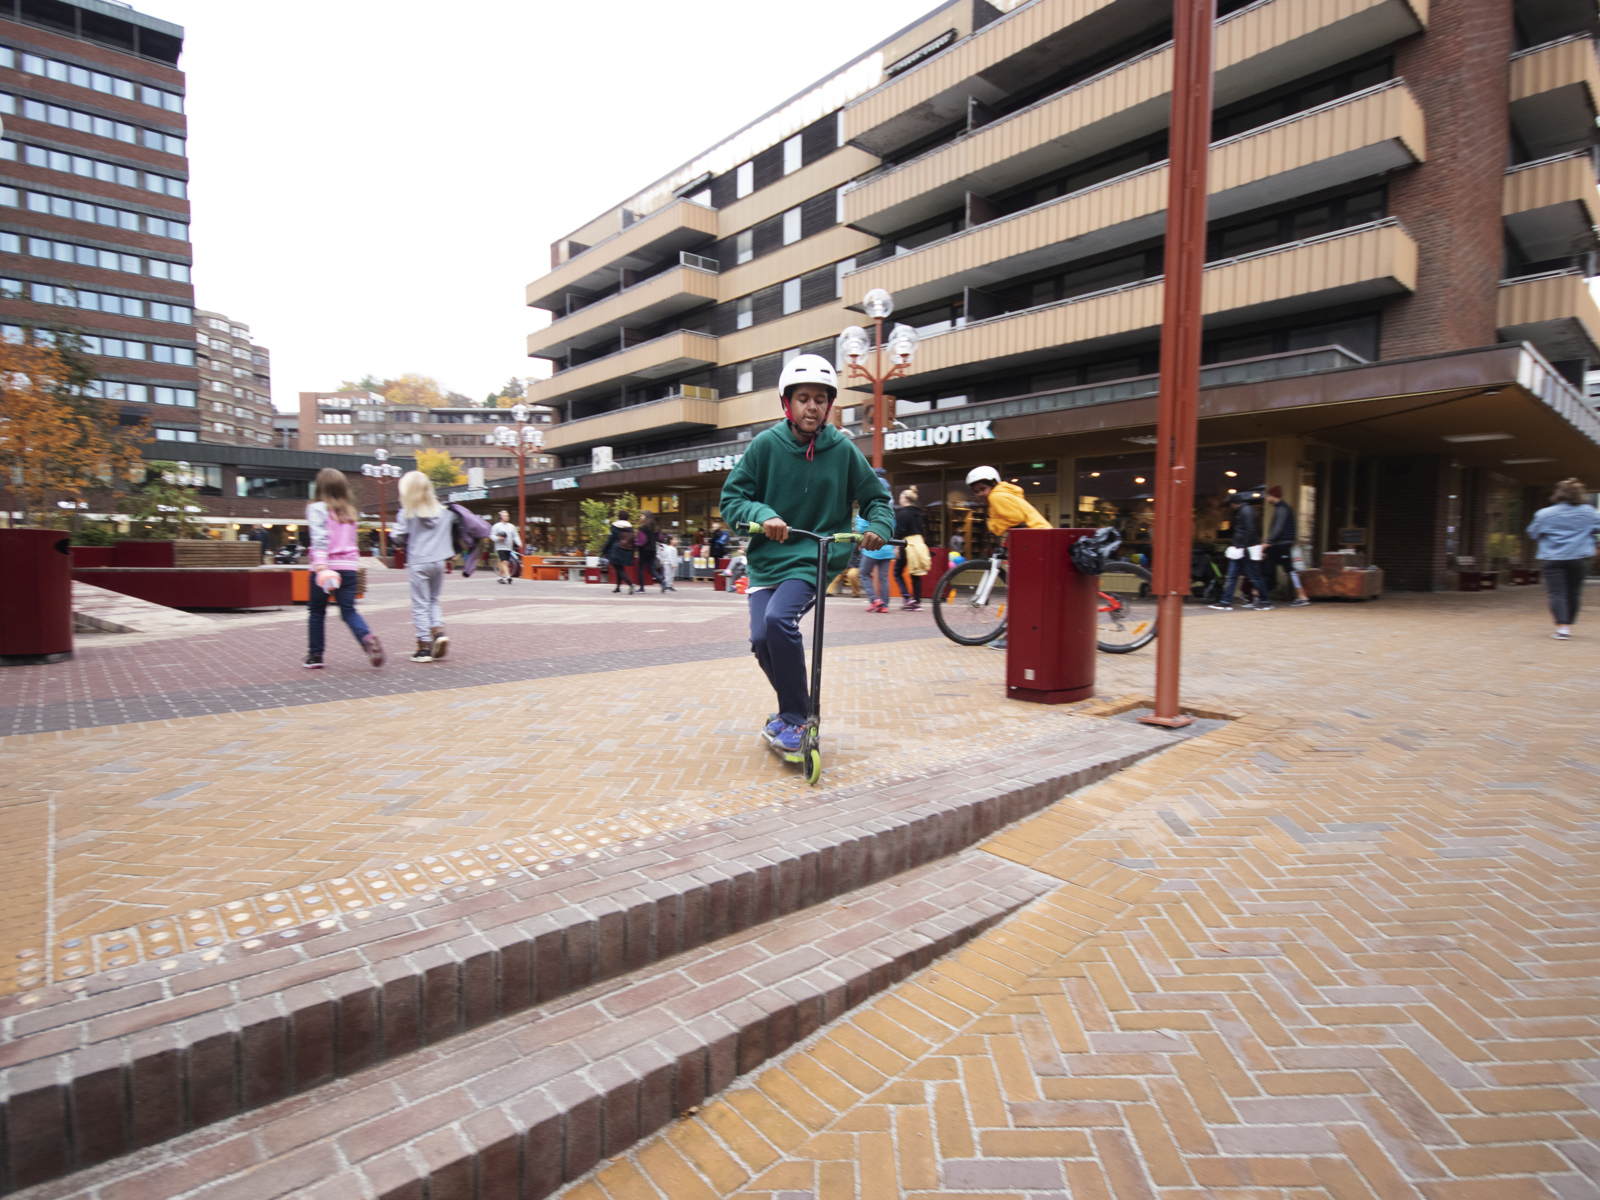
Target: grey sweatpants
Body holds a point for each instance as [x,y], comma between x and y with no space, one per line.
[426,579]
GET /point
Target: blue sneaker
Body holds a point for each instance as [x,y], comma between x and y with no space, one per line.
[774,725]
[789,738]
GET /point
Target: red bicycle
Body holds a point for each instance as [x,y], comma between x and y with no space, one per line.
[969,605]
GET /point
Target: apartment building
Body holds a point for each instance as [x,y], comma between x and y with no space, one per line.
[94,209]
[348,420]
[1398,324]
[235,383]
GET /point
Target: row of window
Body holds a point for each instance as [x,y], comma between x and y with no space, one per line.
[336,439]
[82,122]
[97,214]
[228,348]
[110,347]
[122,306]
[141,393]
[108,85]
[93,168]
[88,256]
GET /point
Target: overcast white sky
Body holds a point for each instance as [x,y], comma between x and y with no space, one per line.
[374,183]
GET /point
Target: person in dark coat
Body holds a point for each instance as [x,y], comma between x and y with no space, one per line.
[907,524]
[1247,537]
[645,543]
[618,551]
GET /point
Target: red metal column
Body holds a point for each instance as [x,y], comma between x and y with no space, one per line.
[1177,419]
[878,425]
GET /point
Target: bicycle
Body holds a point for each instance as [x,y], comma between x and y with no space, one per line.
[969,605]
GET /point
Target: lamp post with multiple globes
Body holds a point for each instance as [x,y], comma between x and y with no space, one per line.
[853,348]
[381,470]
[522,441]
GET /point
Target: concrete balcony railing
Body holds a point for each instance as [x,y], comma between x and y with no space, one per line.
[695,409]
[1338,268]
[660,358]
[1552,206]
[681,225]
[1555,94]
[661,296]
[1357,137]
[1257,48]
[1555,312]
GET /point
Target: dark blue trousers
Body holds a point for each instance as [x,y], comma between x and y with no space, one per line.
[776,642]
[317,610]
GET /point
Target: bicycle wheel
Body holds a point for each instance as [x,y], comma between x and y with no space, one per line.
[1127,619]
[957,608]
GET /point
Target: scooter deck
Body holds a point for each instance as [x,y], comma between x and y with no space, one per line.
[808,758]
[773,744]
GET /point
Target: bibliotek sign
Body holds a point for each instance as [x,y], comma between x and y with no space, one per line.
[939,435]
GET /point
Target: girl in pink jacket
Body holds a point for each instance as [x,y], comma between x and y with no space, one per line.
[334,563]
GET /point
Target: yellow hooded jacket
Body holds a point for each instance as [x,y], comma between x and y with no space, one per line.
[1008,508]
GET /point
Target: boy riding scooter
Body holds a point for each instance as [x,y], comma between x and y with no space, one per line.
[804,473]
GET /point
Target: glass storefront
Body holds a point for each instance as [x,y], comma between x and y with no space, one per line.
[1119,490]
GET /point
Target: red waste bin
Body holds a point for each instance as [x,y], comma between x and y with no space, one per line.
[1050,619]
[36,603]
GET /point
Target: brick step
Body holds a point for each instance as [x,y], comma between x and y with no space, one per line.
[529,1102]
[96,1068]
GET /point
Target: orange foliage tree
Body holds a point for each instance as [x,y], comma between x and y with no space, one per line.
[56,440]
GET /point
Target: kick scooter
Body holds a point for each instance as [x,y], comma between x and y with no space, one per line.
[809,757]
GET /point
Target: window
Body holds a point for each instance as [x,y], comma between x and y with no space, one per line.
[791,226]
[179,397]
[175,435]
[791,296]
[791,155]
[336,439]
[744,180]
[161,269]
[744,246]
[746,313]
[744,375]
[221,326]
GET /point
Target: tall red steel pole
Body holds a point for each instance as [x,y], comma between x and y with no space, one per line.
[1178,412]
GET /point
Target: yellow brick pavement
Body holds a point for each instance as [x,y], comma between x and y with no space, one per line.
[1345,948]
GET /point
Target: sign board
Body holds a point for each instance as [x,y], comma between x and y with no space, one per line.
[725,462]
[921,53]
[567,481]
[600,459]
[1353,536]
[467,494]
[474,477]
[939,435]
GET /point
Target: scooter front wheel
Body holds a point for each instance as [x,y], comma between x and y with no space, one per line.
[814,767]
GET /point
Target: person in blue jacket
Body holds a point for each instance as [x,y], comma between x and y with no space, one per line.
[875,563]
[1566,531]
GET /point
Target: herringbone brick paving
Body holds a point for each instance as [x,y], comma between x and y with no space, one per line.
[1343,949]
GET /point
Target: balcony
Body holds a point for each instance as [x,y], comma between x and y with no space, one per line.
[1356,137]
[1555,312]
[695,409]
[661,296]
[1338,268]
[681,225]
[1257,48]
[660,358]
[1552,206]
[1555,94]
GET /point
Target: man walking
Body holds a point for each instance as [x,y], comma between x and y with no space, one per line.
[1245,554]
[1282,533]
[507,541]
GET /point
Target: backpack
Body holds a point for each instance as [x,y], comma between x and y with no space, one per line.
[468,531]
[1091,554]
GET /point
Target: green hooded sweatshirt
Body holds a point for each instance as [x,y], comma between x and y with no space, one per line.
[776,479]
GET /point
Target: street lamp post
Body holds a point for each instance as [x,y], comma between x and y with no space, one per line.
[522,441]
[381,470]
[853,346]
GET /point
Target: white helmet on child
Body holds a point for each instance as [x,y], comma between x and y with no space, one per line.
[983,475]
[808,368]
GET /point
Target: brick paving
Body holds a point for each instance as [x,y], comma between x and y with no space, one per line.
[1345,948]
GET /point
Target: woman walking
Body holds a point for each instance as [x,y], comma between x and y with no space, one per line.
[874,570]
[1566,531]
[428,531]
[618,551]
[913,556]
[334,556]
[647,545]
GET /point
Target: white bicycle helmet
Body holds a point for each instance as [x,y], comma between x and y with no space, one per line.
[983,475]
[808,368]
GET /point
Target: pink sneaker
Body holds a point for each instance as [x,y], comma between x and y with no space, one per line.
[373,648]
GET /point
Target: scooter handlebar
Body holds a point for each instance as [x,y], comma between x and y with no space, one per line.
[755,527]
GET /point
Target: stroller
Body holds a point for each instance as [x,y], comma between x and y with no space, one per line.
[1208,574]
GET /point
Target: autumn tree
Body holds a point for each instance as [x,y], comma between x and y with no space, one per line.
[412,388]
[438,466]
[56,439]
